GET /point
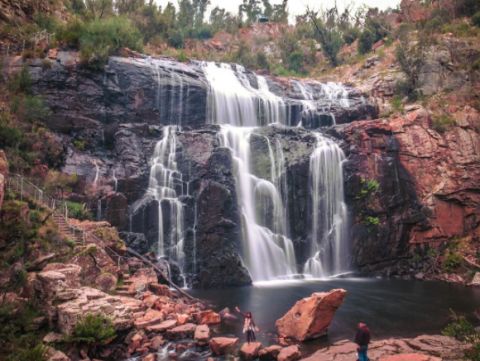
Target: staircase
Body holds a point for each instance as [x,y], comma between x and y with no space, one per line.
[66,230]
[122,289]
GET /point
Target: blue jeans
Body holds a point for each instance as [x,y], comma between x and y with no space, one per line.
[362,353]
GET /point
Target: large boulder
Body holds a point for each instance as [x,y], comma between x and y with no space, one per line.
[223,345]
[310,317]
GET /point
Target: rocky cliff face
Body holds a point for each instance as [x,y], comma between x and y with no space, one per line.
[427,181]
[428,186]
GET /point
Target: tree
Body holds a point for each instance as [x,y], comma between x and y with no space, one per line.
[280,12]
[97,9]
[200,7]
[186,15]
[251,8]
[130,6]
[327,33]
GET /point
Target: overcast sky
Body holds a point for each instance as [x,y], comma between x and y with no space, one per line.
[297,7]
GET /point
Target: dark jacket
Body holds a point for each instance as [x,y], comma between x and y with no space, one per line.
[362,338]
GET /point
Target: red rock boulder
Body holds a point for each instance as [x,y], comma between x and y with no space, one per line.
[269,353]
[249,351]
[223,345]
[310,317]
[290,353]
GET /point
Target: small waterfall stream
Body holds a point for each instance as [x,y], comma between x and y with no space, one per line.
[268,252]
[329,251]
[165,185]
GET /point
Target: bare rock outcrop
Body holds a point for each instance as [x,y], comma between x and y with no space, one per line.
[310,317]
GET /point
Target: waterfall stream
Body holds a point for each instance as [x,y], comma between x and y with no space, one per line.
[268,252]
[165,185]
[328,251]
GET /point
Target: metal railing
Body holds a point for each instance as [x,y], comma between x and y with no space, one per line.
[27,190]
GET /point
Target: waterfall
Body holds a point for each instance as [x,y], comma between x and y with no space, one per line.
[234,101]
[268,252]
[328,252]
[165,185]
[326,94]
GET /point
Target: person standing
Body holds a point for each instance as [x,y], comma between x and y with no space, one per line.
[249,327]
[362,339]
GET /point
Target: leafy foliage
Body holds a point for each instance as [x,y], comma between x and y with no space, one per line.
[78,211]
[442,123]
[93,330]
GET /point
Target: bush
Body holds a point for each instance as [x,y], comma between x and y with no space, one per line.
[176,39]
[93,330]
[9,136]
[368,187]
[34,109]
[104,37]
[262,61]
[397,104]
[296,61]
[442,123]
[21,82]
[476,19]
[350,35]
[365,41]
[460,328]
[71,33]
[452,261]
[78,211]
[37,353]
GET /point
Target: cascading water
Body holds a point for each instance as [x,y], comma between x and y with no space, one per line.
[165,185]
[268,252]
[329,249]
[239,107]
[234,101]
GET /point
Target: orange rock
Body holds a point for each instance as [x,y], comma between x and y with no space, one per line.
[269,353]
[162,327]
[183,331]
[310,317]
[202,334]
[156,342]
[290,353]
[207,317]
[223,345]
[249,351]
[151,317]
[182,318]
[160,290]
[142,279]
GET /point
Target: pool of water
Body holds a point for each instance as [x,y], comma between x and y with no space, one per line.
[390,307]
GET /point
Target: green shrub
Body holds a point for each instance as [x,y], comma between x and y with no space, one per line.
[365,41]
[296,62]
[78,211]
[350,35]
[397,104]
[262,61]
[104,37]
[368,187]
[21,82]
[371,221]
[34,109]
[442,123]
[476,19]
[80,144]
[182,57]
[93,330]
[9,136]
[71,33]
[459,328]
[176,39]
[37,353]
[474,353]
[452,261]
